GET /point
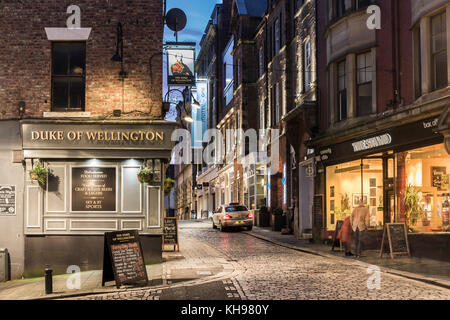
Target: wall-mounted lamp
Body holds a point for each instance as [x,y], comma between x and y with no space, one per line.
[118,56]
[21,108]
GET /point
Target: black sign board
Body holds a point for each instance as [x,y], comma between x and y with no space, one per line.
[318,211]
[397,235]
[336,241]
[437,177]
[123,258]
[170,236]
[7,200]
[94,189]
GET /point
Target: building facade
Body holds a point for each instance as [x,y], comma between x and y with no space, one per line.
[383,96]
[90,120]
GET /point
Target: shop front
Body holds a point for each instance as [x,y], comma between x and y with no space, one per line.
[390,172]
[92,188]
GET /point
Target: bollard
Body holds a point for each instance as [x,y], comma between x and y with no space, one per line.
[48,281]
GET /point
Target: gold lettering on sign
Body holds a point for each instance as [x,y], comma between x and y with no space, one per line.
[141,135]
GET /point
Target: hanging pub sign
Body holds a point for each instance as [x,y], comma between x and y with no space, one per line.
[180,64]
[123,258]
[7,200]
[94,189]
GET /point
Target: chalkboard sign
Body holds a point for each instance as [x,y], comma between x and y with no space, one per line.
[123,259]
[397,236]
[336,241]
[318,211]
[170,236]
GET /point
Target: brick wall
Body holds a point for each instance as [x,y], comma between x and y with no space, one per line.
[25,55]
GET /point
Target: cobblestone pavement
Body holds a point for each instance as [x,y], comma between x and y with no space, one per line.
[265,271]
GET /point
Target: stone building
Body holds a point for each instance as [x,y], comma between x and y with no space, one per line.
[90,120]
[384,93]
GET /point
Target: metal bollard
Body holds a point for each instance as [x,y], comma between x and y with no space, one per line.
[48,281]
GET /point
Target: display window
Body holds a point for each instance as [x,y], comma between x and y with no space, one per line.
[426,187]
[349,183]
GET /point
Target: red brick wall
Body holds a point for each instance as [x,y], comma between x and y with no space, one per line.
[25,55]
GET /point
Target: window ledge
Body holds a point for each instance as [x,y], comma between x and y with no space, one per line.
[65,34]
[67,115]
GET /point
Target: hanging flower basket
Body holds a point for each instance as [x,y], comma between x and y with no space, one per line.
[39,174]
[169,184]
[145,175]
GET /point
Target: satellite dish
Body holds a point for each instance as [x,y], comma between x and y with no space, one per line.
[176,19]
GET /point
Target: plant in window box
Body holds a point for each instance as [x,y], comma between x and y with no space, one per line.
[277,219]
[39,174]
[263,217]
[145,175]
[169,184]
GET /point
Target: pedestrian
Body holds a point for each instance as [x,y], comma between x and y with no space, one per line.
[360,220]
[345,235]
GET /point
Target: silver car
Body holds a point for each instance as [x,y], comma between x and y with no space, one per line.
[232,216]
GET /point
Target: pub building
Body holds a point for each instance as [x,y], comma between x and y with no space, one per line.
[86,104]
[381,168]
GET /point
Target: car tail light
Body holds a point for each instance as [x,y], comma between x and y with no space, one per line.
[250,215]
[226,217]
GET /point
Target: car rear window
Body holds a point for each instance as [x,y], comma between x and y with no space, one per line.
[235,208]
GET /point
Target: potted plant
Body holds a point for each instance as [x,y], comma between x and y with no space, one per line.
[169,184]
[263,217]
[39,174]
[413,208]
[277,219]
[145,175]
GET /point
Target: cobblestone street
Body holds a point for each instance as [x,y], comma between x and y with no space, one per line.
[255,269]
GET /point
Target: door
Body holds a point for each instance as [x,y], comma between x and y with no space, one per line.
[389,189]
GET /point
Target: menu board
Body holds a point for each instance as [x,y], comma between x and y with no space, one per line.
[94,189]
[397,236]
[123,259]
[7,200]
[170,235]
[318,211]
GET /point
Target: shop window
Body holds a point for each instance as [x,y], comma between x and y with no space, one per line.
[342,91]
[364,84]
[439,51]
[417,64]
[68,76]
[427,174]
[351,182]
[277,37]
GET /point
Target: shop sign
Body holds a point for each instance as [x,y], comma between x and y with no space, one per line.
[94,189]
[96,136]
[371,143]
[7,200]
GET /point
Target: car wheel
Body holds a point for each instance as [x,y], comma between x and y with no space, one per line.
[214,226]
[249,228]
[221,228]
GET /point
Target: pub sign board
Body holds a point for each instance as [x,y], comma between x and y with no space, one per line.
[123,259]
[94,189]
[7,200]
[397,237]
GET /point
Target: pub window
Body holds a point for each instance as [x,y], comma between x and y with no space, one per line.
[261,62]
[439,51]
[364,84]
[68,76]
[342,91]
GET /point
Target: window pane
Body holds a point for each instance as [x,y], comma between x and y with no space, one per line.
[60,93]
[365,99]
[441,70]
[77,59]
[59,59]
[76,93]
